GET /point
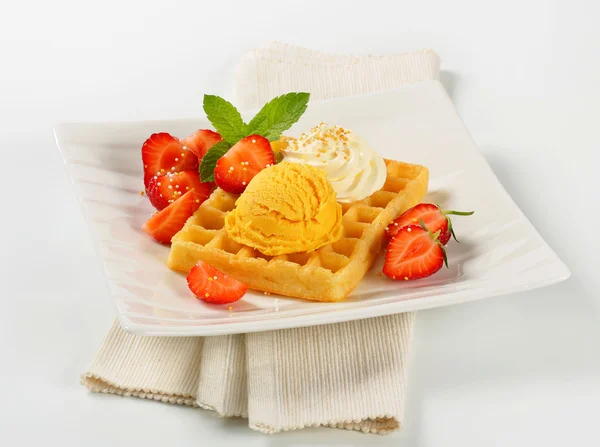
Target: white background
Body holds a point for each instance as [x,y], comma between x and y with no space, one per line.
[520,370]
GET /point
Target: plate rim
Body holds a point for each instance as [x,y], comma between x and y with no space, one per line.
[333,316]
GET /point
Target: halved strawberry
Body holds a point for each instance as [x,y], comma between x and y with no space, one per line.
[242,162]
[167,188]
[432,216]
[162,153]
[201,141]
[164,224]
[414,253]
[213,286]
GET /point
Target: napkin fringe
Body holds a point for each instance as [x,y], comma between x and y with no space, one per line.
[157,368]
[97,384]
[378,426]
[294,53]
[278,68]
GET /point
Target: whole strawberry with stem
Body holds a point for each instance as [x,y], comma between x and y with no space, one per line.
[434,218]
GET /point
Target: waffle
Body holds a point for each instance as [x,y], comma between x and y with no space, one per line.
[329,273]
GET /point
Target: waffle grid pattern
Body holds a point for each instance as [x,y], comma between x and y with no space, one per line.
[329,273]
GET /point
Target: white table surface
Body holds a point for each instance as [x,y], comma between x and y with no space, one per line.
[519,370]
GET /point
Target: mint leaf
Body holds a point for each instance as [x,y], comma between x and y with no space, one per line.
[278,115]
[209,161]
[278,157]
[225,117]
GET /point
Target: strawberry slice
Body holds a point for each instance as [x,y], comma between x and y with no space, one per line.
[165,189]
[242,162]
[414,253]
[432,216]
[213,286]
[163,225]
[162,153]
[201,141]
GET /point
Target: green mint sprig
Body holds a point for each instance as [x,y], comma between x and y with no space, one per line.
[225,117]
[209,161]
[278,115]
[270,122]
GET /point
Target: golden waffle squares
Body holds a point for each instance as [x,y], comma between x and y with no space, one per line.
[327,274]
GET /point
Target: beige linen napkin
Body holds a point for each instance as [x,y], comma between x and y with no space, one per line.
[348,375]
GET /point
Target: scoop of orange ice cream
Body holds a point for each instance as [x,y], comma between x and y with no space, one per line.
[287,208]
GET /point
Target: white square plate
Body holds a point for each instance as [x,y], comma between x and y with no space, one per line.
[500,251]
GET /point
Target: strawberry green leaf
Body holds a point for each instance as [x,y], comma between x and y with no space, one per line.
[225,118]
[444,254]
[455,213]
[436,240]
[209,161]
[278,115]
[453,233]
[458,213]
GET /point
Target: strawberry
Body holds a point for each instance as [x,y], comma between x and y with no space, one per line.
[163,225]
[201,141]
[433,217]
[162,153]
[213,286]
[165,189]
[242,162]
[413,253]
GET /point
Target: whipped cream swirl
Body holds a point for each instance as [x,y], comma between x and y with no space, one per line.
[353,168]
